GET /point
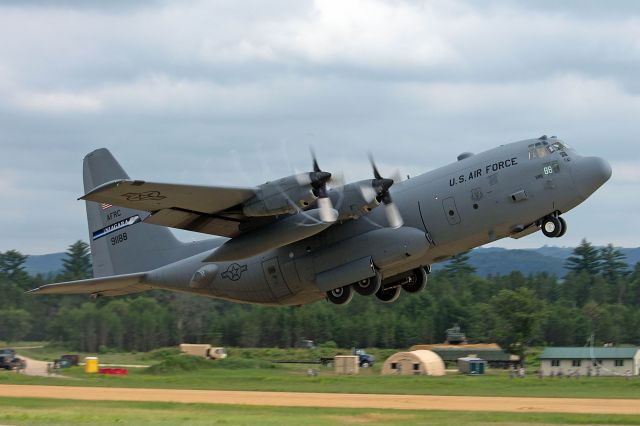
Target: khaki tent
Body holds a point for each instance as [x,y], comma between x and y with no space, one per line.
[415,362]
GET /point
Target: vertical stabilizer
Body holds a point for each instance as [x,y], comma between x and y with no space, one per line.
[120,244]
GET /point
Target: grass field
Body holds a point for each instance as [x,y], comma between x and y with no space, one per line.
[32,411]
[294,379]
[252,369]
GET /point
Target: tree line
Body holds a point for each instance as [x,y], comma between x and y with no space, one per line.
[599,297]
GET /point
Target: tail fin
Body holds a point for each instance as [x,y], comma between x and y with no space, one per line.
[120,244]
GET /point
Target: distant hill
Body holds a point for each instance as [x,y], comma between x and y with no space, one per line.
[487,261]
[45,263]
[501,261]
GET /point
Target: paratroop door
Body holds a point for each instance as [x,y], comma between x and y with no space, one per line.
[273,275]
[451,211]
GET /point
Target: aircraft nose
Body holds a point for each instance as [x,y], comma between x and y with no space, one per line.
[589,174]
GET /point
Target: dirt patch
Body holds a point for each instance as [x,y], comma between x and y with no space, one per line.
[37,368]
[332,400]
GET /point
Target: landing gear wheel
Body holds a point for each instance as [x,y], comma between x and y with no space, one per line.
[368,286]
[388,295]
[418,281]
[563,225]
[551,227]
[340,295]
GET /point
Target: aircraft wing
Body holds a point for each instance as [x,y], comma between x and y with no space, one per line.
[107,286]
[206,209]
[152,196]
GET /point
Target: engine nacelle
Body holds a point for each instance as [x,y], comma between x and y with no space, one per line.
[354,199]
[283,196]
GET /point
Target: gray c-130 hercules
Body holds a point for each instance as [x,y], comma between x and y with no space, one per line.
[295,241]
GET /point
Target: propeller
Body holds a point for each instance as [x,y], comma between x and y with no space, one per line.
[381,186]
[319,181]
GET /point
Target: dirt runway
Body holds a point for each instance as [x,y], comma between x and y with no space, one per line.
[293,399]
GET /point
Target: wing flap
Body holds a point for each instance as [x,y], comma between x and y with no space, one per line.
[107,286]
[153,196]
[196,222]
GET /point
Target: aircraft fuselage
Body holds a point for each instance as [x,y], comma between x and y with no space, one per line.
[507,191]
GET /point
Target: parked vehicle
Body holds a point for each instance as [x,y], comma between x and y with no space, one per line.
[365,359]
[8,359]
[203,350]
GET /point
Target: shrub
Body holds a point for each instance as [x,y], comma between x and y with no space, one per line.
[179,363]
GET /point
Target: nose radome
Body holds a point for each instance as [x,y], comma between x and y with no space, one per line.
[589,174]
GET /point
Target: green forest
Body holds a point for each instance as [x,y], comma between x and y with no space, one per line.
[599,297]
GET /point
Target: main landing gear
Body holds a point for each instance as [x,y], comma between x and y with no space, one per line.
[553,226]
[340,295]
[412,282]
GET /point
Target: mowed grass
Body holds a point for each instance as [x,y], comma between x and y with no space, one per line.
[294,379]
[33,411]
[49,352]
[252,369]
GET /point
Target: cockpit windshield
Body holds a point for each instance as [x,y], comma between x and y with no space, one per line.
[538,150]
[543,148]
[558,145]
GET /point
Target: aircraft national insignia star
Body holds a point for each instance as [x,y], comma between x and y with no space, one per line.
[234,271]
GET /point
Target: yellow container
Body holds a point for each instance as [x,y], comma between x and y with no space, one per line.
[91,364]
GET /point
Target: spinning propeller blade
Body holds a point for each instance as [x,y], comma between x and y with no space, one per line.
[319,181]
[382,185]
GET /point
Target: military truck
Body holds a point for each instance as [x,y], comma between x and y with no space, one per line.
[455,336]
[203,350]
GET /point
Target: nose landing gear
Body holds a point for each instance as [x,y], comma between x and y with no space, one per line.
[553,226]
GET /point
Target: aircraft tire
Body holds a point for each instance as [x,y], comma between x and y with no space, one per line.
[418,283]
[368,286]
[340,295]
[563,225]
[551,227]
[388,295]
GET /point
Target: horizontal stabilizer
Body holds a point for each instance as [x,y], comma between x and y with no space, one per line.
[107,286]
[152,196]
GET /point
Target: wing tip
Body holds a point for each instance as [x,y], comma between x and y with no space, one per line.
[102,187]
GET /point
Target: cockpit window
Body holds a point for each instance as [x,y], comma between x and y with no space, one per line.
[538,150]
[559,145]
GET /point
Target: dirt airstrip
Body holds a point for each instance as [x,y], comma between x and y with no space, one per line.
[335,400]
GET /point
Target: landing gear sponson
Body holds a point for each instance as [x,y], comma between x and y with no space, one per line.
[386,291]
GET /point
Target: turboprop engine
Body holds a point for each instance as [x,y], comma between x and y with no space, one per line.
[359,198]
[292,194]
[285,196]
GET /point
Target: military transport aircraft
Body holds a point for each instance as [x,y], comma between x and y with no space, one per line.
[295,240]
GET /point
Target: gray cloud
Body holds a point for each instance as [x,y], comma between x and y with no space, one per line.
[234,92]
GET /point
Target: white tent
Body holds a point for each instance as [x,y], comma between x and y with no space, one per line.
[420,362]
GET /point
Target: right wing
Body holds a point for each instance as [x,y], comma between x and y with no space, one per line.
[106,286]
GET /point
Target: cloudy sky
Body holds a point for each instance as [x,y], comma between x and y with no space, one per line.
[234,92]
